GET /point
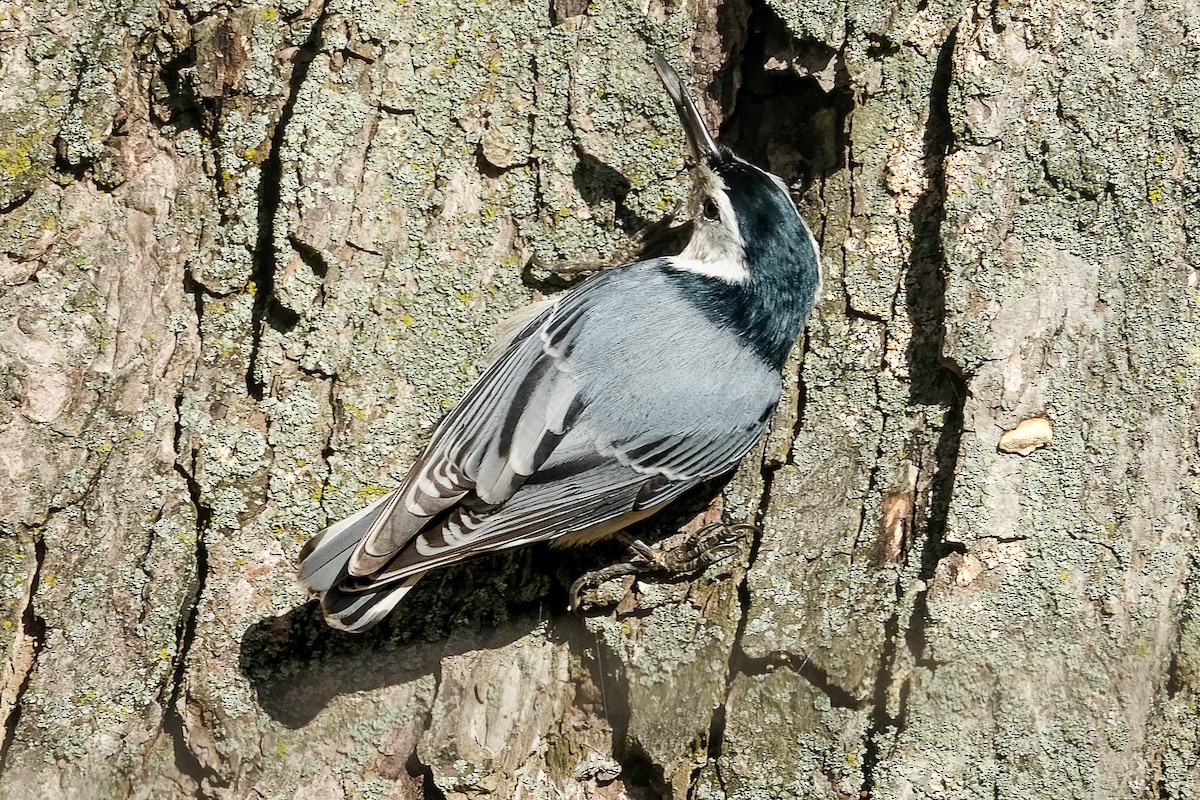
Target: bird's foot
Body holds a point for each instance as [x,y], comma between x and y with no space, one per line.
[695,552]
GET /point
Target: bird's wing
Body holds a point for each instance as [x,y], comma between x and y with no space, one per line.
[600,488]
[481,451]
[493,440]
[535,513]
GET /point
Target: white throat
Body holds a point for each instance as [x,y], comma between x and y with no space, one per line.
[731,271]
[716,249]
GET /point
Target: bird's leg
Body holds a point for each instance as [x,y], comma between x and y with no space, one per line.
[642,558]
[706,546]
[639,549]
[591,580]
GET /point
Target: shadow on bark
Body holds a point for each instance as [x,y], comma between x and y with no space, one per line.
[298,665]
[935,381]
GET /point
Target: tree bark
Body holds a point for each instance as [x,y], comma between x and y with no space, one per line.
[251,253]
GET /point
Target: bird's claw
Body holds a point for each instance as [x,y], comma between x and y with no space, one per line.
[699,550]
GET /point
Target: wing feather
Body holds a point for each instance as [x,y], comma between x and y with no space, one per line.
[475,452]
[535,513]
[573,495]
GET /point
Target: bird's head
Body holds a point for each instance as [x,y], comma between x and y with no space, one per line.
[747,233]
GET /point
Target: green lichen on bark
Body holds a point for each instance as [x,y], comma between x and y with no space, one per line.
[784,738]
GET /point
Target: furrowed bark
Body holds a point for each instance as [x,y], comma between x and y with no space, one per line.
[251,253]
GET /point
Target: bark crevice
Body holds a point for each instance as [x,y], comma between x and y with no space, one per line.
[267,309]
[932,382]
[34,627]
[174,725]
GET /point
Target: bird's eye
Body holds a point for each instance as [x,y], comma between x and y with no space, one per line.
[710,211]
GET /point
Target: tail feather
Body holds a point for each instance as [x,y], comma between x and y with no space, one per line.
[324,559]
[360,611]
[324,564]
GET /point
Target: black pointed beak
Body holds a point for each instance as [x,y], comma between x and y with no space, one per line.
[701,141]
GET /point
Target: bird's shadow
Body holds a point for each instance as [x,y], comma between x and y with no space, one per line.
[600,185]
[297,664]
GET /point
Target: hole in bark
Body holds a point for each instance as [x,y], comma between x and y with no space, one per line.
[172,100]
[790,108]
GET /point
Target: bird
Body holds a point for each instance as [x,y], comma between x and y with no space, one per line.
[617,397]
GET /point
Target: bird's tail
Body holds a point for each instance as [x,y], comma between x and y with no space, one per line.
[360,611]
[324,564]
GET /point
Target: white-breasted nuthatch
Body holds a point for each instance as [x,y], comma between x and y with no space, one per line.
[632,388]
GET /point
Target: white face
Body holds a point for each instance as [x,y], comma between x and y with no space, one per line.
[716,247]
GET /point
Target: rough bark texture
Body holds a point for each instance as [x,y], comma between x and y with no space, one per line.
[250,253]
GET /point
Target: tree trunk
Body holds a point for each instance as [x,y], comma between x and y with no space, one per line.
[252,252]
